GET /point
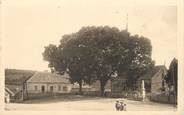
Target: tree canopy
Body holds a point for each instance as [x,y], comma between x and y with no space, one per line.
[96,53]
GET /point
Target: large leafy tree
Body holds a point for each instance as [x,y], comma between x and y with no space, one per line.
[139,58]
[96,53]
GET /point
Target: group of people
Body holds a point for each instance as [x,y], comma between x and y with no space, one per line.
[120,106]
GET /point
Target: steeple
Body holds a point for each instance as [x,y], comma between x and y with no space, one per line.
[126,23]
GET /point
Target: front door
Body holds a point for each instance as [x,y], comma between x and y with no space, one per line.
[51,88]
[43,89]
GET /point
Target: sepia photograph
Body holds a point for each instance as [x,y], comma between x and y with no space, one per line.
[89,55]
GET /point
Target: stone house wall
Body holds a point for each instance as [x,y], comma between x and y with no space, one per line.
[48,88]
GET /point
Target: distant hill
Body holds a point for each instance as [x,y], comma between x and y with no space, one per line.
[15,76]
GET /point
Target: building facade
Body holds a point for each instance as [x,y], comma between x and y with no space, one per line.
[157,81]
[45,82]
[27,84]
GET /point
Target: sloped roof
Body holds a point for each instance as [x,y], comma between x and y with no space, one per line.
[47,77]
[14,88]
[14,76]
[173,63]
[148,75]
[9,91]
[158,67]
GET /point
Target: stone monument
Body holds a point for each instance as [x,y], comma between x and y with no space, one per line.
[143,91]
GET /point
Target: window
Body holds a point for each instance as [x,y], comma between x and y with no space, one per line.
[36,87]
[59,88]
[65,88]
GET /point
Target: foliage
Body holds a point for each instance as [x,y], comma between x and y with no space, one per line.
[95,53]
[139,59]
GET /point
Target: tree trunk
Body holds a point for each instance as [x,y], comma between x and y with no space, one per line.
[169,94]
[102,87]
[80,87]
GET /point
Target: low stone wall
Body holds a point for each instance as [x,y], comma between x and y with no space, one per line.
[163,98]
[42,95]
[129,95]
[90,93]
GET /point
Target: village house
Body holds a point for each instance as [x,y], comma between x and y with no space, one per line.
[157,81]
[153,80]
[25,84]
[158,72]
[161,91]
[45,84]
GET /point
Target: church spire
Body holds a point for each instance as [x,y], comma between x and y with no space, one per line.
[126,23]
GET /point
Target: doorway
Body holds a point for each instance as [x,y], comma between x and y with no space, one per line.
[51,89]
[43,89]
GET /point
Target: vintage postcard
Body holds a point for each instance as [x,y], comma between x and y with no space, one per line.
[91,56]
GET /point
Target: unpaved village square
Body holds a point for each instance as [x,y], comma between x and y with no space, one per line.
[85,103]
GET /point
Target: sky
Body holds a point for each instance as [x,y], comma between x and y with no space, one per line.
[28,26]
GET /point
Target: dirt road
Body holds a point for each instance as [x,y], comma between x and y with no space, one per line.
[81,103]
